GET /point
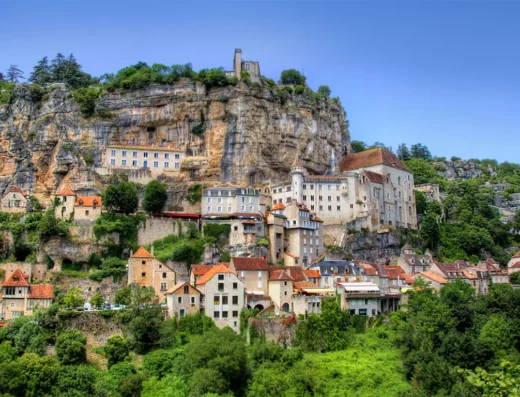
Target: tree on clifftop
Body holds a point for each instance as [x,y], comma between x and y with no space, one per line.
[292,76]
[14,74]
[155,196]
[122,198]
[324,90]
[41,73]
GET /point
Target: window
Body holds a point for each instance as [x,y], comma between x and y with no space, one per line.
[134,163]
[321,207]
[216,314]
[186,289]
[338,207]
[192,300]
[143,262]
[123,153]
[112,152]
[145,154]
[243,208]
[329,198]
[86,213]
[113,162]
[351,205]
[235,228]
[177,156]
[164,275]
[304,197]
[235,285]
[164,286]
[235,314]
[10,290]
[234,300]
[176,165]
[166,164]
[224,300]
[312,207]
[134,154]
[304,186]
[143,274]
[259,274]
[123,162]
[208,200]
[156,155]
[221,277]
[166,155]
[250,208]
[330,207]
[156,164]
[224,314]
[320,198]
[337,198]
[219,200]
[221,286]
[219,209]
[260,284]
[208,208]
[229,209]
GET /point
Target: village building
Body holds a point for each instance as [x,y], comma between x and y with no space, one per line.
[14,201]
[496,274]
[70,206]
[369,189]
[144,270]
[412,262]
[431,191]
[238,207]
[435,280]
[183,299]
[20,298]
[308,296]
[478,278]
[157,160]
[251,67]
[224,296]
[361,298]
[254,272]
[513,265]
[197,271]
[281,290]
[275,223]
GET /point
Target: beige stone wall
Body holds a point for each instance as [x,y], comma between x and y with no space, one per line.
[13,202]
[163,280]
[65,208]
[211,307]
[280,293]
[178,301]
[158,228]
[86,213]
[11,308]
[255,280]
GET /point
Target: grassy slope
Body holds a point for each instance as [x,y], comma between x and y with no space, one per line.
[370,367]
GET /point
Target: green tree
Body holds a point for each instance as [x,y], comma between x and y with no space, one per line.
[41,74]
[324,90]
[420,151]
[515,278]
[169,386]
[358,146]
[71,347]
[38,374]
[421,202]
[123,295]
[403,153]
[14,74]
[49,227]
[292,77]
[97,299]
[502,383]
[121,198]
[116,350]
[30,339]
[58,68]
[73,298]
[155,196]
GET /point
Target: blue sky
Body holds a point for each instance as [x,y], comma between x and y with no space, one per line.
[443,73]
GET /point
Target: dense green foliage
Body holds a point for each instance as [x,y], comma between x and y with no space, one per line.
[324,90]
[291,77]
[125,226]
[71,347]
[155,196]
[110,267]
[122,198]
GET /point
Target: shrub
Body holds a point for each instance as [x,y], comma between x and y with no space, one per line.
[292,76]
[155,196]
[116,350]
[121,198]
[324,90]
[71,347]
[87,97]
[194,194]
[213,77]
[198,129]
[299,89]
[216,230]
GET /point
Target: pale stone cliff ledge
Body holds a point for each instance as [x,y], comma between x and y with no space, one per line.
[249,134]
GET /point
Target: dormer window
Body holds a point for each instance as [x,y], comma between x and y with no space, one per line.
[80,202]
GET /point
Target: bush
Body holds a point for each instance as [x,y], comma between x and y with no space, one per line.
[116,350]
[299,89]
[194,194]
[87,97]
[324,90]
[121,198]
[198,129]
[292,77]
[155,196]
[213,77]
[216,230]
[71,347]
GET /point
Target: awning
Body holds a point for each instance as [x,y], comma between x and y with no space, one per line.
[318,290]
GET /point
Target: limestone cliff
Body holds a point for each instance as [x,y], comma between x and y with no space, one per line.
[236,134]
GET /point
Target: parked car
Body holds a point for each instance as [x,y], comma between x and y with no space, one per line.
[107,306]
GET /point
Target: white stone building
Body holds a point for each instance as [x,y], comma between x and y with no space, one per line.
[369,189]
[14,201]
[78,208]
[224,296]
[158,160]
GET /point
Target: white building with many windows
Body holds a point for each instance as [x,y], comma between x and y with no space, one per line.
[158,159]
[370,189]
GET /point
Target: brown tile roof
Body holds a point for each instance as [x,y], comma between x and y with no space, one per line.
[312,273]
[66,192]
[200,270]
[469,275]
[16,279]
[279,275]
[242,263]
[87,201]
[395,272]
[41,291]
[374,177]
[434,276]
[179,285]
[214,270]
[15,189]
[142,253]
[278,206]
[370,270]
[455,267]
[305,284]
[369,158]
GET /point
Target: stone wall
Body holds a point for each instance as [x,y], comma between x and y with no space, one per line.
[37,272]
[158,228]
[280,330]
[333,234]
[96,328]
[89,287]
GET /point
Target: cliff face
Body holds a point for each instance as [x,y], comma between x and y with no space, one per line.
[243,135]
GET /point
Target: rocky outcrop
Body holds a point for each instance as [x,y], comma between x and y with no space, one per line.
[244,135]
[96,328]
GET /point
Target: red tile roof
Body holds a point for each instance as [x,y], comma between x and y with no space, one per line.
[395,272]
[41,291]
[16,279]
[515,265]
[178,285]
[369,158]
[242,263]
[312,273]
[305,284]
[434,276]
[142,253]
[212,272]
[296,272]
[370,270]
[66,192]
[200,270]
[374,177]
[15,189]
[278,206]
[279,275]
[87,201]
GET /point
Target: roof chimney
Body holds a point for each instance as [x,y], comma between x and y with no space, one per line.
[152,251]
